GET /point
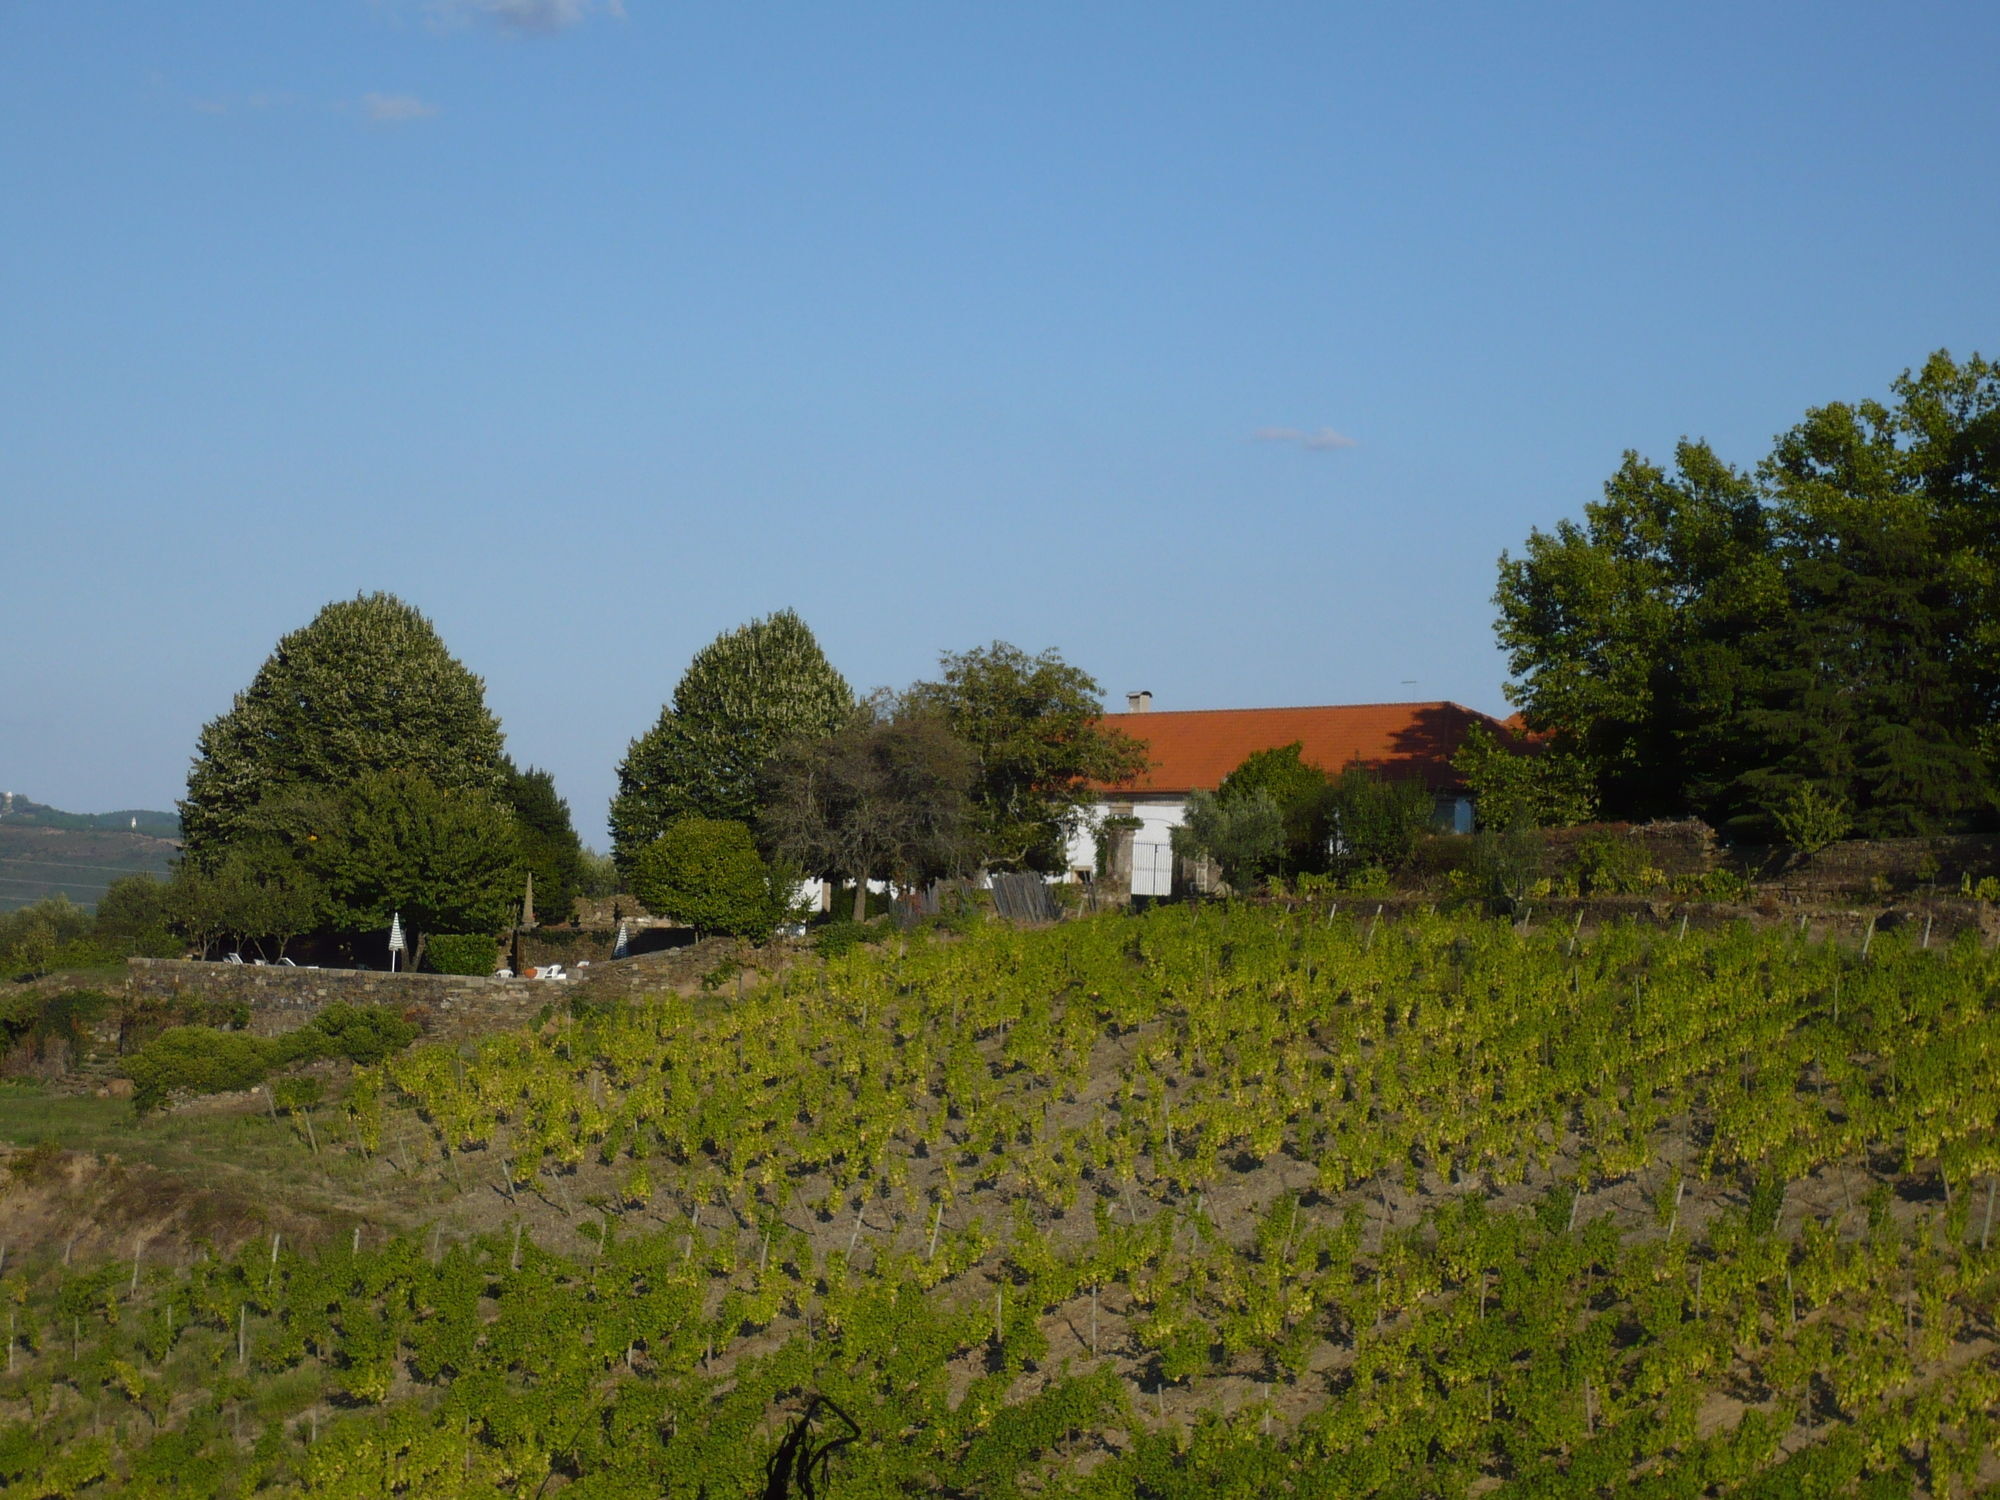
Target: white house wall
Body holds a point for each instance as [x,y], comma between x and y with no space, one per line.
[1157,821]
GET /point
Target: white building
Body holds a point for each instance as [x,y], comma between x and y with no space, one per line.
[1193,749]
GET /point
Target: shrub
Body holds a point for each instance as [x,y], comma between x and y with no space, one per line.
[462,953]
[37,1021]
[195,1060]
[1607,865]
[360,1033]
[199,1060]
[1714,885]
[836,938]
[707,873]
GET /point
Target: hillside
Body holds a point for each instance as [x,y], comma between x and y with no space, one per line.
[1210,1201]
[47,852]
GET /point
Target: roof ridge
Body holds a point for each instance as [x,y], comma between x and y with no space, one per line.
[1285,708]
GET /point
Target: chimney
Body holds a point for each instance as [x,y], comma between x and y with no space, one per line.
[1138,703]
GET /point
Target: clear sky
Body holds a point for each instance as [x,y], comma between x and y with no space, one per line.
[1223,347]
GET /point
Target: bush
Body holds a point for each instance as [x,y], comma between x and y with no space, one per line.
[196,1060]
[37,1021]
[1608,865]
[836,938]
[360,1033]
[462,953]
[200,1060]
[707,873]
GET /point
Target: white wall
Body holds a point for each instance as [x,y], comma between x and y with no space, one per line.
[1151,841]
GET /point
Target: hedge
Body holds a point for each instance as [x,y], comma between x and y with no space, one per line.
[462,953]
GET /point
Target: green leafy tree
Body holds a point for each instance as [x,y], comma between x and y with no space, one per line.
[396,842]
[1711,640]
[1033,725]
[707,873]
[1299,790]
[887,796]
[549,846]
[366,687]
[1626,634]
[745,695]
[1244,834]
[1515,788]
[1374,822]
[1877,685]
[132,906]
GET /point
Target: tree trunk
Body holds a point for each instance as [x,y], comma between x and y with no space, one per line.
[860,898]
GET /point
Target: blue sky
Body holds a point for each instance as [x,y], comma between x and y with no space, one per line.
[595,330]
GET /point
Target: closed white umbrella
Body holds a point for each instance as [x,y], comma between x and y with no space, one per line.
[620,946]
[396,943]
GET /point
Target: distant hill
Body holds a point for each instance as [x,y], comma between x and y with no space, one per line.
[45,851]
[16,809]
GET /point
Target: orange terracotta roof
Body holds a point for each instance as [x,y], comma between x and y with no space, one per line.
[1193,749]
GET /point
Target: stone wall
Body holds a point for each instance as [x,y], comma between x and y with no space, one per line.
[1861,867]
[282,999]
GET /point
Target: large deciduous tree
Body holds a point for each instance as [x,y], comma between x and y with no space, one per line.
[1626,634]
[1714,641]
[366,687]
[447,859]
[887,796]
[746,694]
[1033,726]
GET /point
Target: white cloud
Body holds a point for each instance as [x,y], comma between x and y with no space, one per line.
[536,17]
[1318,440]
[395,109]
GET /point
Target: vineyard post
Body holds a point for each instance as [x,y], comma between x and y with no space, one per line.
[937,1222]
[1986,1224]
[242,1333]
[514,1256]
[1927,929]
[1869,940]
[1093,1328]
[138,1247]
[355,1247]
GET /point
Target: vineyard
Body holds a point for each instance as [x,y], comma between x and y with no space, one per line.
[1214,1201]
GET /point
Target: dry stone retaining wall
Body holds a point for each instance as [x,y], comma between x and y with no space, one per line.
[281,999]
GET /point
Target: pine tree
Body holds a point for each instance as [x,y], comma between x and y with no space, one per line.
[744,696]
[366,687]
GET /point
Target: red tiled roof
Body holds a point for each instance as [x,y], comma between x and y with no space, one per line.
[1194,749]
